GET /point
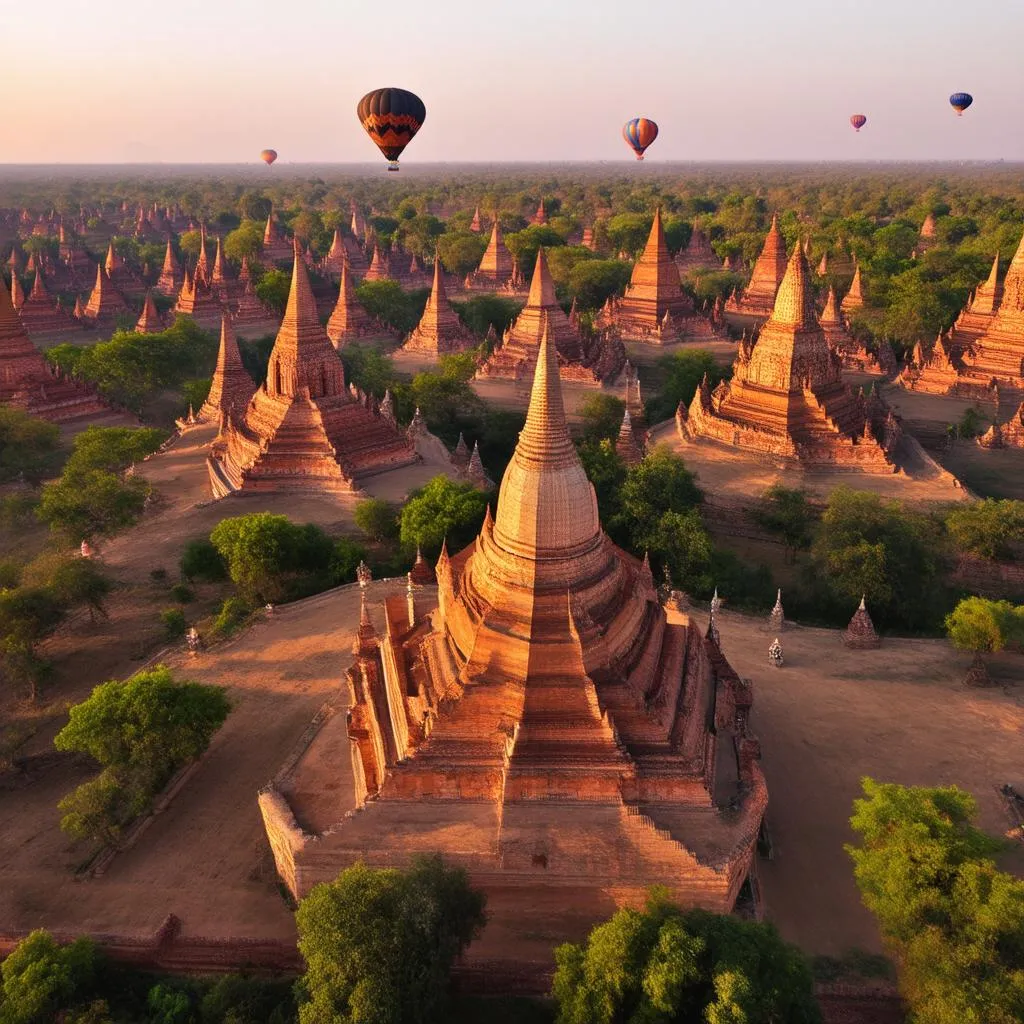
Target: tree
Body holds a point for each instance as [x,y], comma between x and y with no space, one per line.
[681,374]
[954,923]
[274,288]
[990,528]
[72,581]
[41,978]
[681,542]
[663,965]
[628,232]
[461,251]
[27,616]
[368,368]
[379,944]
[245,241]
[786,512]
[442,509]
[386,301]
[91,504]
[602,416]
[592,281]
[484,311]
[377,518]
[201,560]
[140,732]
[607,472]
[983,626]
[524,244]
[660,483]
[28,446]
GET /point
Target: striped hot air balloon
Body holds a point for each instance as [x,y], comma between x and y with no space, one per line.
[268,156]
[960,101]
[639,134]
[858,121]
[391,117]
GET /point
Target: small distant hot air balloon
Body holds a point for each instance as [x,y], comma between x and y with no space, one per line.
[639,134]
[858,121]
[268,156]
[960,101]
[391,117]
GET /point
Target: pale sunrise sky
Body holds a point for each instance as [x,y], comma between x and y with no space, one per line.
[217,80]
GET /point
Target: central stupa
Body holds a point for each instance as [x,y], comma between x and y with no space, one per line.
[547,723]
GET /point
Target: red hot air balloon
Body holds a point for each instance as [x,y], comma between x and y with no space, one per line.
[639,134]
[858,121]
[391,117]
[268,156]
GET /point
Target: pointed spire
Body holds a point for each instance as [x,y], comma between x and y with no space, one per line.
[542,287]
[231,386]
[17,292]
[830,314]
[348,318]
[113,261]
[794,303]
[149,319]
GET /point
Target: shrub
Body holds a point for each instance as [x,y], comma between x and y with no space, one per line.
[173,620]
[202,561]
[183,593]
[233,612]
[377,518]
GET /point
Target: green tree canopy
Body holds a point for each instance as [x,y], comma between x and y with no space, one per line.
[978,624]
[593,281]
[41,978]
[29,446]
[273,289]
[989,528]
[379,944]
[524,245]
[386,301]
[680,375]
[602,416]
[665,966]
[461,251]
[953,921]
[443,508]
[377,518]
[245,241]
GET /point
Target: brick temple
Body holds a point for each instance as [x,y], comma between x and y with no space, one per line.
[232,388]
[440,331]
[304,430]
[497,267]
[698,254]
[349,321]
[543,721]
[757,300]
[787,400]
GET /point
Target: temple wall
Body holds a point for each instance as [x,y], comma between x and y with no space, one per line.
[287,840]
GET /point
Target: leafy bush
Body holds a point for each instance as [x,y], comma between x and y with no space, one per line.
[442,509]
[377,518]
[174,624]
[202,561]
[233,612]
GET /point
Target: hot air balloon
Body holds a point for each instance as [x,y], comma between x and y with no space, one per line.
[391,118]
[960,101]
[858,121]
[639,134]
[268,156]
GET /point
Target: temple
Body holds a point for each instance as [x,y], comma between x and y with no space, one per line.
[303,429]
[105,301]
[276,248]
[655,309]
[860,633]
[854,298]
[853,353]
[496,265]
[378,269]
[977,316]
[333,263]
[231,388]
[39,312]
[250,316]
[1005,435]
[547,724]
[787,399]
[475,224]
[197,301]
[931,369]
[758,299]
[169,281]
[698,254]
[150,321]
[926,239]
[516,356]
[440,331]
[349,320]
[28,383]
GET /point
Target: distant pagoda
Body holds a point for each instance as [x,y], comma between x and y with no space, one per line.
[655,309]
[854,298]
[26,380]
[197,301]
[757,300]
[378,269]
[349,321]
[516,357]
[980,312]
[17,292]
[786,399]
[698,254]
[304,430]
[220,281]
[105,302]
[150,321]
[171,277]
[335,259]
[440,331]
[232,388]
[250,316]
[475,224]
[276,248]
[540,218]
[40,313]
[927,238]
[496,265]
[853,354]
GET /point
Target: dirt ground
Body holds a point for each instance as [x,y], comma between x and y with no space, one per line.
[827,718]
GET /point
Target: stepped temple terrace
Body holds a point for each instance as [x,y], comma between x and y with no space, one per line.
[787,399]
[303,429]
[543,720]
[440,331]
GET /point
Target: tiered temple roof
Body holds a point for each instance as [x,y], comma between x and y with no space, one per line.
[303,430]
[220,282]
[150,321]
[931,368]
[335,258]
[475,224]
[853,353]
[349,320]
[250,315]
[378,269]
[26,380]
[540,217]
[997,357]
[977,316]
[854,298]
[276,248]
[549,726]
[105,302]
[926,239]
[169,281]
[440,331]
[787,399]
[655,308]
[1005,435]
[698,254]
[232,388]
[516,357]
[197,301]
[496,265]
[758,298]
[40,313]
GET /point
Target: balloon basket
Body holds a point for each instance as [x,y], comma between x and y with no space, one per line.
[393,166]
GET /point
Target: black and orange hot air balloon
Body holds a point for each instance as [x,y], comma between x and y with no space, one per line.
[639,133]
[858,121]
[391,117]
[268,156]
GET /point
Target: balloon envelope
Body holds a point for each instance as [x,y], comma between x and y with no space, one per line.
[268,156]
[391,117]
[960,101]
[858,121]
[639,134]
